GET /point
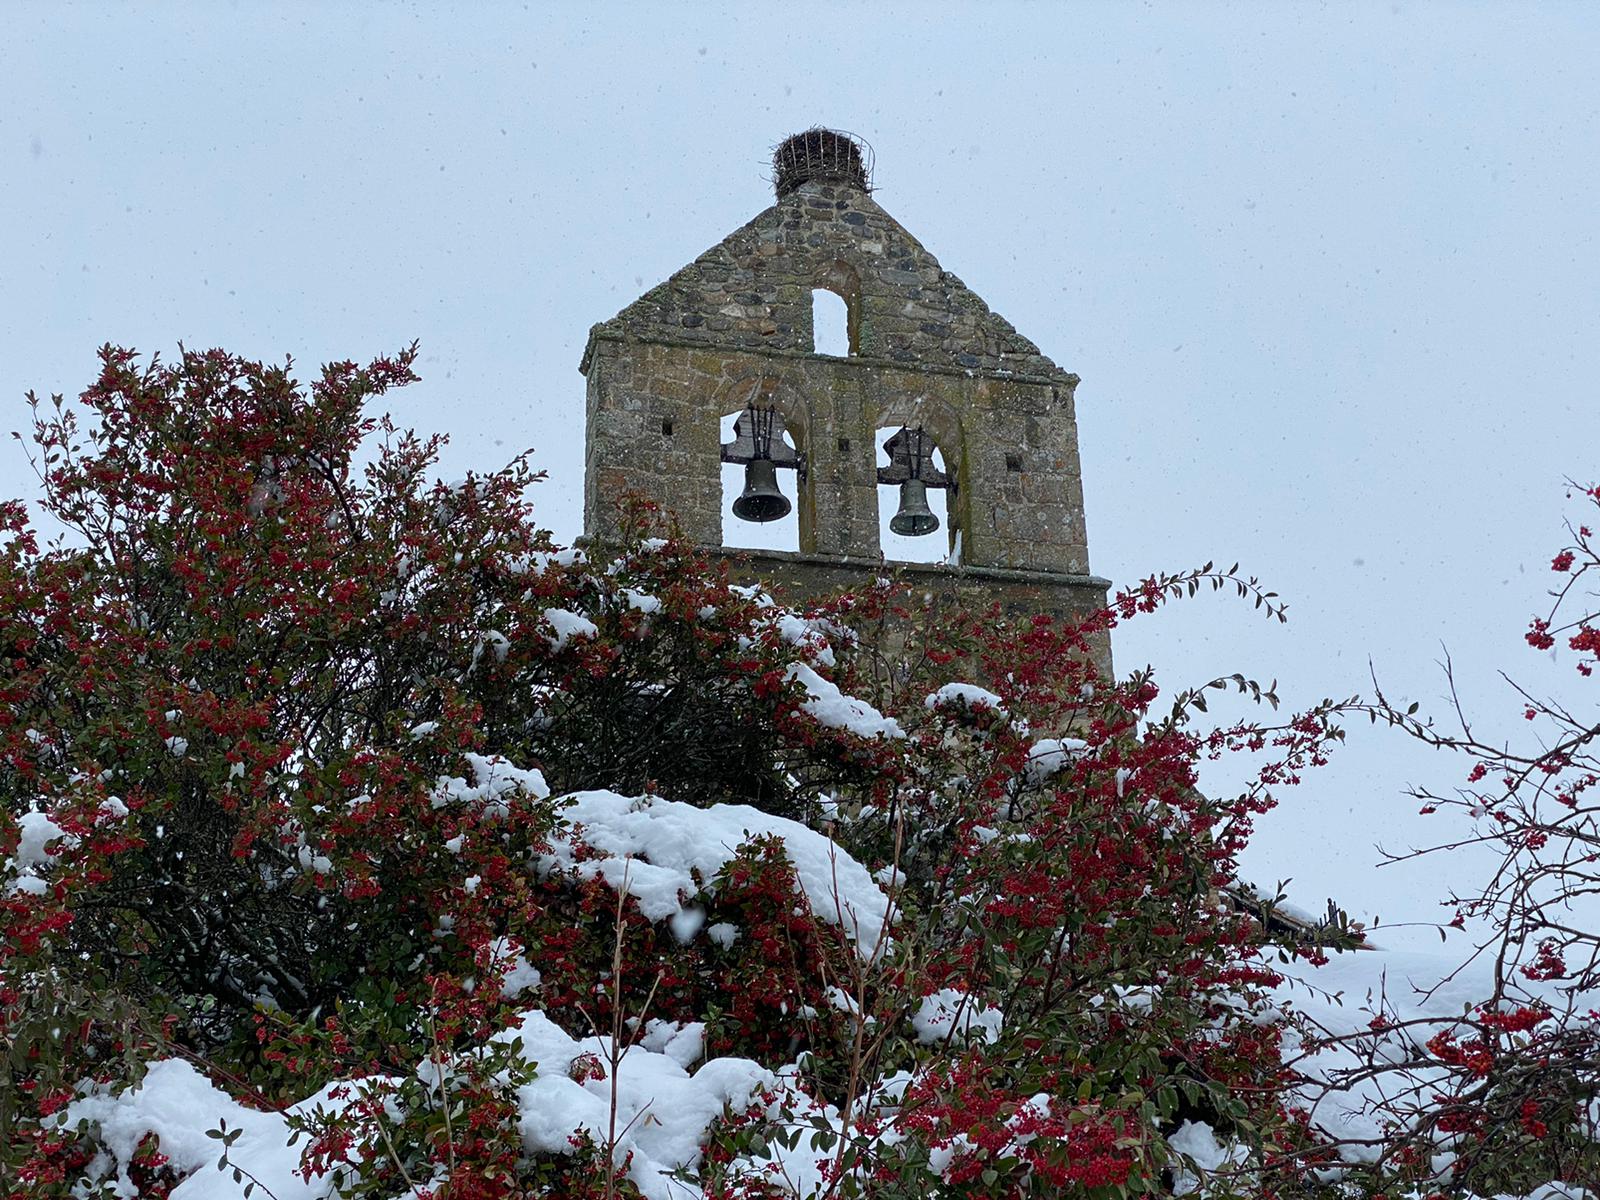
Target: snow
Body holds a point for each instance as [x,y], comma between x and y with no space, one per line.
[568,625]
[950,1010]
[668,1097]
[1050,756]
[808,634]
[965,695]
[686,923]
[521,975]
[540,561]
[494,778]
[842,1000]
[1198,1141]
[682,1041]
[309,860]
[653,848]
[831,707]
[641,601]
[36,831]
[1341,998]
[495,642]
[667,855]
[662,1111]
[178,1104]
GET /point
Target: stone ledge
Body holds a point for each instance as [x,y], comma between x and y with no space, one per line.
[793,576]
[601,334]
[886,566]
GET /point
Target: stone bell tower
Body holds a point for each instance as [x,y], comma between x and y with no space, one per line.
[732,332]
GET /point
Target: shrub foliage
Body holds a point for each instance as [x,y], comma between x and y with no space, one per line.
[294,739]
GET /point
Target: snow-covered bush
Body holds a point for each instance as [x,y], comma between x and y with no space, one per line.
[360,841]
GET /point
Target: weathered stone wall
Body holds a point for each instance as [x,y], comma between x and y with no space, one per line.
[1010,444]
[796,578]
[735,327]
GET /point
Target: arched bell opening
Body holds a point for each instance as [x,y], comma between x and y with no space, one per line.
[763,478]
[914,513]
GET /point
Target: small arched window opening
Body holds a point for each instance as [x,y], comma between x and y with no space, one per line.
[738,533]
[836,310]
[899,454]
[831,324]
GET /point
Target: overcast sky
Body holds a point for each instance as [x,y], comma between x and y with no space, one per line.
[1328,272]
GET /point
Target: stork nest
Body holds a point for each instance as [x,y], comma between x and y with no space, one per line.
[824,154]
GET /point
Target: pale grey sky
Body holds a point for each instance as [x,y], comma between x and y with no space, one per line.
[1328,271]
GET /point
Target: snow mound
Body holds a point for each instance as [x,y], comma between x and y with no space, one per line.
[35,833]
[568,625]
[540,561]
[1198,1141]
[653,849]
[808,634]
[950,1011]
[1342,998]
[831,707]
[965,695]
[663,1111]
[179,1105]
[494,778]
[1050,756]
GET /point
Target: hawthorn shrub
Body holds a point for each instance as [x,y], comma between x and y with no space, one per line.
[1502,1097]
[345,794]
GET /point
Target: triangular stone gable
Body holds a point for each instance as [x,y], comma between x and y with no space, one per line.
[752,291]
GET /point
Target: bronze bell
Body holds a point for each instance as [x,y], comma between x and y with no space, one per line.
[761,500]
[915,518]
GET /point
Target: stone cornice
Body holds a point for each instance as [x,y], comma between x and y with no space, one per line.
[602,334]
